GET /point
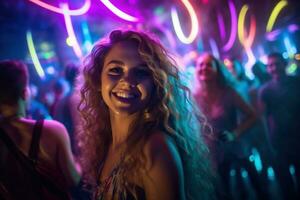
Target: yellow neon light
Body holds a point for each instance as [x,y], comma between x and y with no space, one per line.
[274,14]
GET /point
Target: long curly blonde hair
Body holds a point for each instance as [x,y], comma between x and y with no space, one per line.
[171,110]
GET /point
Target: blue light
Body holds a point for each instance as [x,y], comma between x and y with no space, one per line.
[271,173]
[257,160]
[244,173]
[232,172]
[292,170]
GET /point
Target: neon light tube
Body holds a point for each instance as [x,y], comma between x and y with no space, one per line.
[70,30]
[251,36]
[274,14]
[119,12]
[233,31]
[34,57]
[86,6]
[177,26]
[246,41]
[214,48]
[241,20]
[221,26]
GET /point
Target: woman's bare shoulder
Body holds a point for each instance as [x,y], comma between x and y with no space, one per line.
[160,146]
[55,130]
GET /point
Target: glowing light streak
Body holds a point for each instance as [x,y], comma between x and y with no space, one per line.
[214,48]
[289,47]
[87,36]
[271,36]
[250,63]
[194,23]
[34,56]
[119,12]
[274,14]
[233,31]
[86,6]
[70,30]
[221,26]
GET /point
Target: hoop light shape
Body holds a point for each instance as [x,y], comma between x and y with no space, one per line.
[194,23]
[233,31]
[246,41]
[274,14]
[34,57]
[70,30]
[81,11]
[119,12]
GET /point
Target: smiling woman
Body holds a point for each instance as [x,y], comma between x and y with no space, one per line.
[138,140]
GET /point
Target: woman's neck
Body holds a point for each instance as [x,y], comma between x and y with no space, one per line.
[120,125]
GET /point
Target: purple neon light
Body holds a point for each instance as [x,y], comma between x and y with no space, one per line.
[81,11]
[221,26]
[233,32]
[119,12]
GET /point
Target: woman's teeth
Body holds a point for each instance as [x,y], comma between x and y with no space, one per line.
[125,95]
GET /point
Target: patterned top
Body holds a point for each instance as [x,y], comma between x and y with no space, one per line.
[109,184]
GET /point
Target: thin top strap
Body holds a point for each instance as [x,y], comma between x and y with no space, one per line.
[35,141]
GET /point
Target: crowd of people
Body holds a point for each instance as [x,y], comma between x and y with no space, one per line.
[123,125]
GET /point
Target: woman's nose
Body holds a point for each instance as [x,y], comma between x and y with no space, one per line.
[128,80]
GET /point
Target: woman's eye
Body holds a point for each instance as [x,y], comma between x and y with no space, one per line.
[143,73]
[115,71]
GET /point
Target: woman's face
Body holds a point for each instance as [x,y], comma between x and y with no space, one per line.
[126,81]
[206,68]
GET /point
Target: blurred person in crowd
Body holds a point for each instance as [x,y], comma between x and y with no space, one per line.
[43,144]
[66,108]
[138,140]
[35,109]
[60,90]
[236,68]
[279,101]
[228,114]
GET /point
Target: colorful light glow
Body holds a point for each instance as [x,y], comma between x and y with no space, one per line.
[221,26]
[87,36]
[290,48]
[81,11]
[70,30]
[233,31]
[177,26]
[119,12]
[214,48]
[251,61]
[34,57]
[274,14]
[271,36]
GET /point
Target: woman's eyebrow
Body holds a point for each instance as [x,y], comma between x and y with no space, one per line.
[115,62]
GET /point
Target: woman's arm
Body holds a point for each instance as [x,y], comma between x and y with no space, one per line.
[248,112]
[163,178]
[66,162]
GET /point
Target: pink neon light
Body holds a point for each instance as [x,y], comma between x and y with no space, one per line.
[70,30]
[233,32]
[249,40]
[119,12]
[221,26]
[86,6]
